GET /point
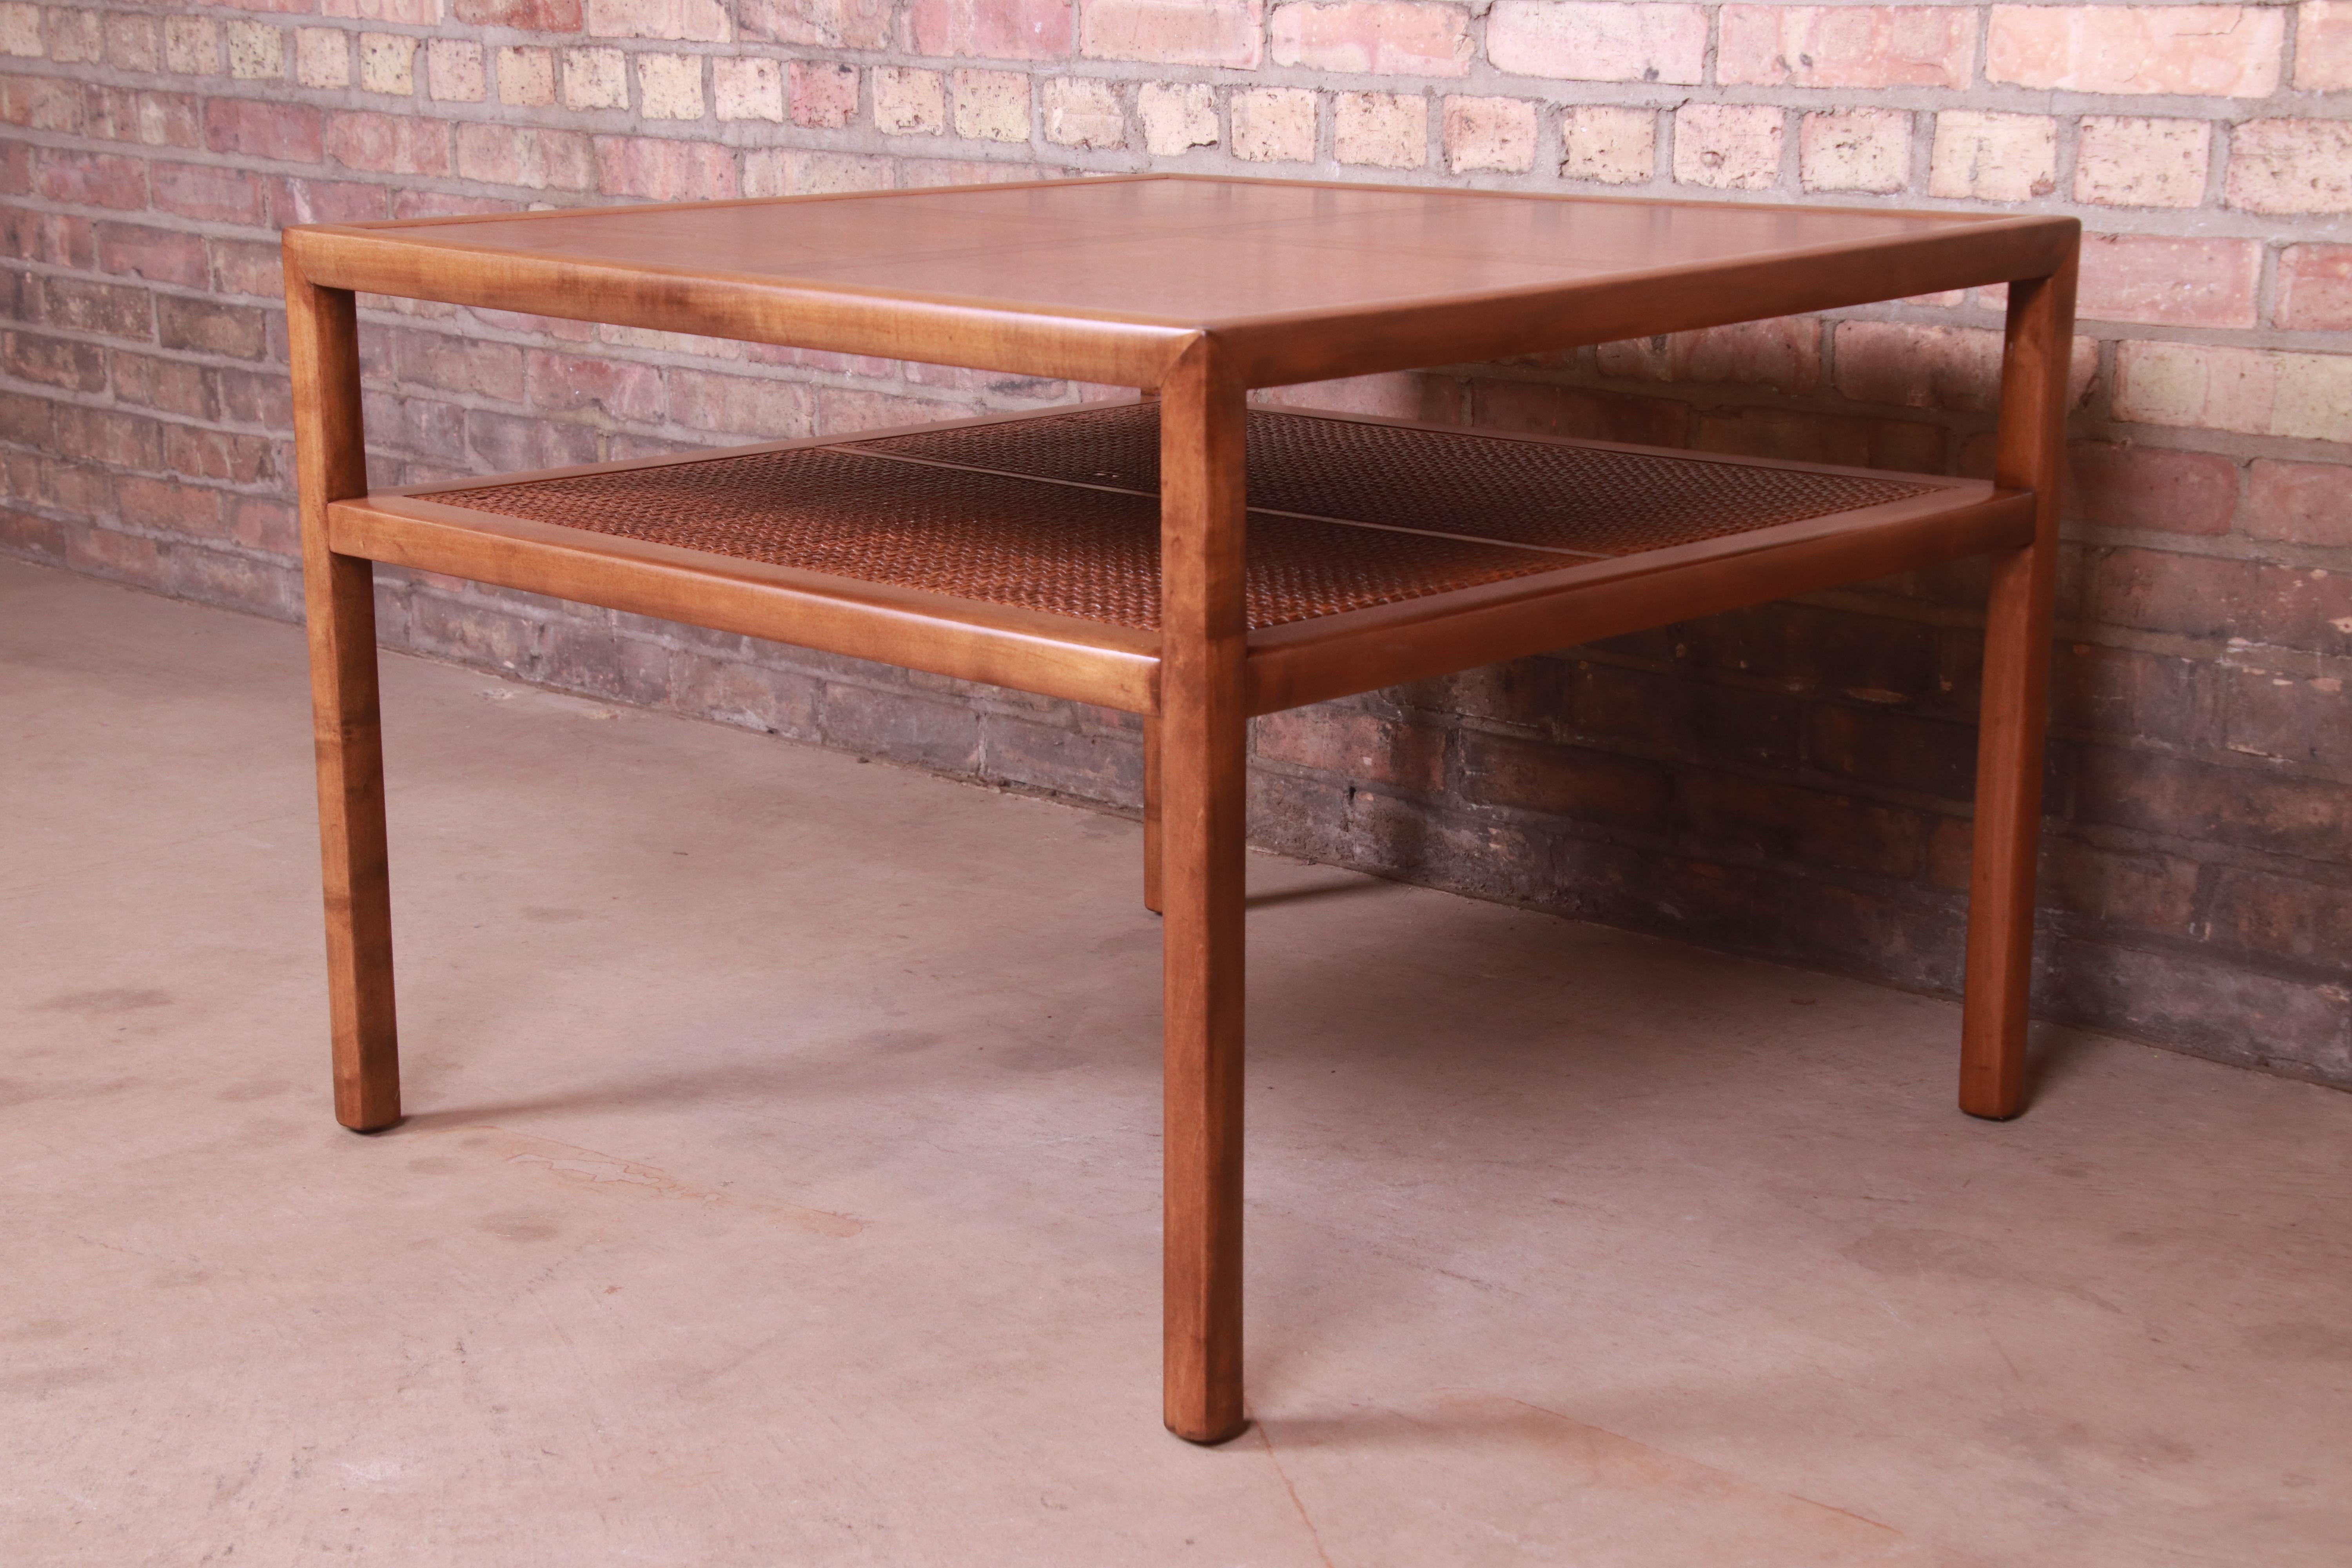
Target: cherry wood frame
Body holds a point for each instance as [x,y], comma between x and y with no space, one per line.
[1204,674]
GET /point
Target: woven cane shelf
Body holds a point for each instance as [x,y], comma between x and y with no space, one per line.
[1366,538]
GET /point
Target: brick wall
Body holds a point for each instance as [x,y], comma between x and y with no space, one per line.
[1792,781]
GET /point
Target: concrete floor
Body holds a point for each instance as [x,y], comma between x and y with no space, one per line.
[781,1188]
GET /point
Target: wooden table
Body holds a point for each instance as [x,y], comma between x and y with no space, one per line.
[1140,557]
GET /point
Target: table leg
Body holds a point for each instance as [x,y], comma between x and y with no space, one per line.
[2030,453]
[1202,733]
[339,593]
[1152,899]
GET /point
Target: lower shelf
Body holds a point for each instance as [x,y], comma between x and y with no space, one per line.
[1024,550]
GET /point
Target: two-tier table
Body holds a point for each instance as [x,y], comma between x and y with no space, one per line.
[1183,558]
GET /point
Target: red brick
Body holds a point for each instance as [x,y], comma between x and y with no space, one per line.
[2296,719]
[823,94]
[169,506]
[209,192]
[2219,599]
[994,29]
[2120,485]
[327,201]
[1785,353]
[257,127]
[262,524]
[1542,409]
[55,361]
[1748,818]
[1661,712]
[15,168]
[1893,749]
[388,143]
[253,397]
[219,455]
[58,238]
[2252,807]
[739,405]
[247,267]
[151,118]
[1798,435]
[114,308]
[2144,891]
[2314,288]
[2287,917]
[1570,781]
[158,255]
[26,420]
[522,155]
[1174,32]
[1355,745]
[2291,166]
[663,169]
[172,386]
[1920,367]
[97,435]
[2170,282]
[91,179]
[1377,37]
[205,326]
[1578,40]
[843,410]
[825,23]
[2211,51]
[1847,46]
[562,384]
[528,15]
[41,103]
[2300,503]
[458,365]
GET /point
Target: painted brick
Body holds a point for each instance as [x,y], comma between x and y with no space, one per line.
[1376,37]
[2323,46]
[388,143]
[1607,145]
[824,95]
[700,21]
[388,64]
[2253,392]
[663,169]
[1383,130]
[2291,166]
[2117,484]
[670,87]
[908,102]
[257,128]
[819,23]
[1993,157]
[521,156]
[2299,504]
[322,57]
[257,52]
[1176,116]
[991,106]
[1729,146]
[1274,125]
[1785,353]
[1174,32]
[2173,282]
[993,29]
[595,79]
[2127,162]
[1083,112]
[455,71]
[1582,40]
[1490,133]
[1855,149]
[2218,51]
[1848,45]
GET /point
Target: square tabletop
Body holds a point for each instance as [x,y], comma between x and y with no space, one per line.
[1106,278]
